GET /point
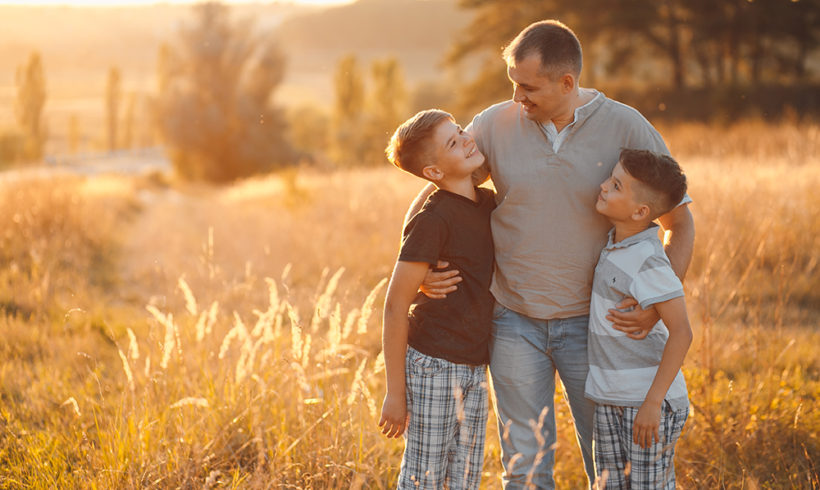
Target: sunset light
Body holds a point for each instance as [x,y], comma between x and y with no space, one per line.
[110,3]
[243,244]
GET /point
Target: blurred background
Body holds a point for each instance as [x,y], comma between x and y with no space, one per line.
[263,85]
[197,223]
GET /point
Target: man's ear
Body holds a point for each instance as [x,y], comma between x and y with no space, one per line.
[567,83]
[641,212]
[432,173]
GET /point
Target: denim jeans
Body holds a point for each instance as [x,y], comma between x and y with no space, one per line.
[525,354]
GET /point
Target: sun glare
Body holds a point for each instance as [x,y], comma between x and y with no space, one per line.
[110,3]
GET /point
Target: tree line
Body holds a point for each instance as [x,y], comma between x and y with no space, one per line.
[684,43]
[213,104]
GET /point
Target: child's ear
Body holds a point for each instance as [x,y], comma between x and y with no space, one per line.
[641,212]
[432,172]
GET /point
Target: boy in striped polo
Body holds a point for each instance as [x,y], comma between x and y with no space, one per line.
[637,384]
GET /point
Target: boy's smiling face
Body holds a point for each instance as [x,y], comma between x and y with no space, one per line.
[617,197]
[454,153]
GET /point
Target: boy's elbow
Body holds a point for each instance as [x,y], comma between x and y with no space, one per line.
[394,310]
[686,336]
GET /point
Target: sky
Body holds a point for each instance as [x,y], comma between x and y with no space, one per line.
[112,3]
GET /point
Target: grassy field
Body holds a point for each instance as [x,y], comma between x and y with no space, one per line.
[161,335]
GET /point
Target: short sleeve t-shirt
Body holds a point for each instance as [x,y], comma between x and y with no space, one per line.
[455,229]
[622,369]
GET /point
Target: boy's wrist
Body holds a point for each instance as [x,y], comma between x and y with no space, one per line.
[653,401]
[394,393]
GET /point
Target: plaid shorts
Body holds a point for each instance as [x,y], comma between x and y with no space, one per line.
[444,441]
[629,466]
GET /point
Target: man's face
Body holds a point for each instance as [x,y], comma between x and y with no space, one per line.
[454,150]
[541,98]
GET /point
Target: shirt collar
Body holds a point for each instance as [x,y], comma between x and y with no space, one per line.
[648,234]
[583,112]
[579,115]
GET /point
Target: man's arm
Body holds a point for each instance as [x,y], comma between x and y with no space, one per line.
[679,247]
[436,285]
[680,244]
[647,421]
[404,285]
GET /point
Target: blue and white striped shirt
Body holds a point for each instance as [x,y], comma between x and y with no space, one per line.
[622,369]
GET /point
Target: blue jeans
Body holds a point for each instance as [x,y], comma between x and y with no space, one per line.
[525,353]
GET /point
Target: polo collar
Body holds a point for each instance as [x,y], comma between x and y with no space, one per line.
[583,112]
[648,234]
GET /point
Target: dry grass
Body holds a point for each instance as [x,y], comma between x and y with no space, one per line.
[177,336]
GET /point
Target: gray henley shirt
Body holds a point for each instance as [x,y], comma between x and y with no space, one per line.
[546,231]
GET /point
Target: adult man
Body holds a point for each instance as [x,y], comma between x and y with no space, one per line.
[547,150]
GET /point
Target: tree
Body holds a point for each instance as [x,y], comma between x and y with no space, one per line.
[348,113]
[496,22]
[128,122]
[721,41]
[214,106]
[388,102]
[657,23]
[113,96]
[31,98]
[74,135]
[309,130]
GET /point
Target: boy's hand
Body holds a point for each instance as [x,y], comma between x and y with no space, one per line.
[394,416]
[646,424]
[436,285]
[636,323]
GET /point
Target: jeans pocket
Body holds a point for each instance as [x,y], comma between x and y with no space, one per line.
[498,310]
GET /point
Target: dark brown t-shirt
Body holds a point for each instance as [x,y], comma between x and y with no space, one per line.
[455,229]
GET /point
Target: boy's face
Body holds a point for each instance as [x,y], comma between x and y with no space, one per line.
[454,150]
[617,198]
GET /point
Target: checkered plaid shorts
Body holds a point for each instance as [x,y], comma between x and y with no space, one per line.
[629,466]
[444,441]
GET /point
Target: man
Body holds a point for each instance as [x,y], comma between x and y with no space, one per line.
[547,150]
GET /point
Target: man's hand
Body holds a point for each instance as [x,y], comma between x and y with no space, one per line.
[436,285]
[394,416]
[637,323]
[646,424]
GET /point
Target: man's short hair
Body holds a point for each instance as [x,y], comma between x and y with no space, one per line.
[409,147]
[662,182]
[555,43]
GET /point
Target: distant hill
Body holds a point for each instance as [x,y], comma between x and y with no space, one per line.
[378,25]
[417,32]
[79,44]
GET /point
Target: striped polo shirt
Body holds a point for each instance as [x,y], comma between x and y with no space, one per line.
[546,231]
[621,369]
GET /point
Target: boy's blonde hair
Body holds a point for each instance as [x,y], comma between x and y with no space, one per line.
[409,149]
[662,183]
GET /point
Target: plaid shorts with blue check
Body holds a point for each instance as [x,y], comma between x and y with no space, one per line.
[444,441]
[629,466]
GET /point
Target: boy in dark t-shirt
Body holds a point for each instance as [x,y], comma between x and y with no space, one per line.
[436,350]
